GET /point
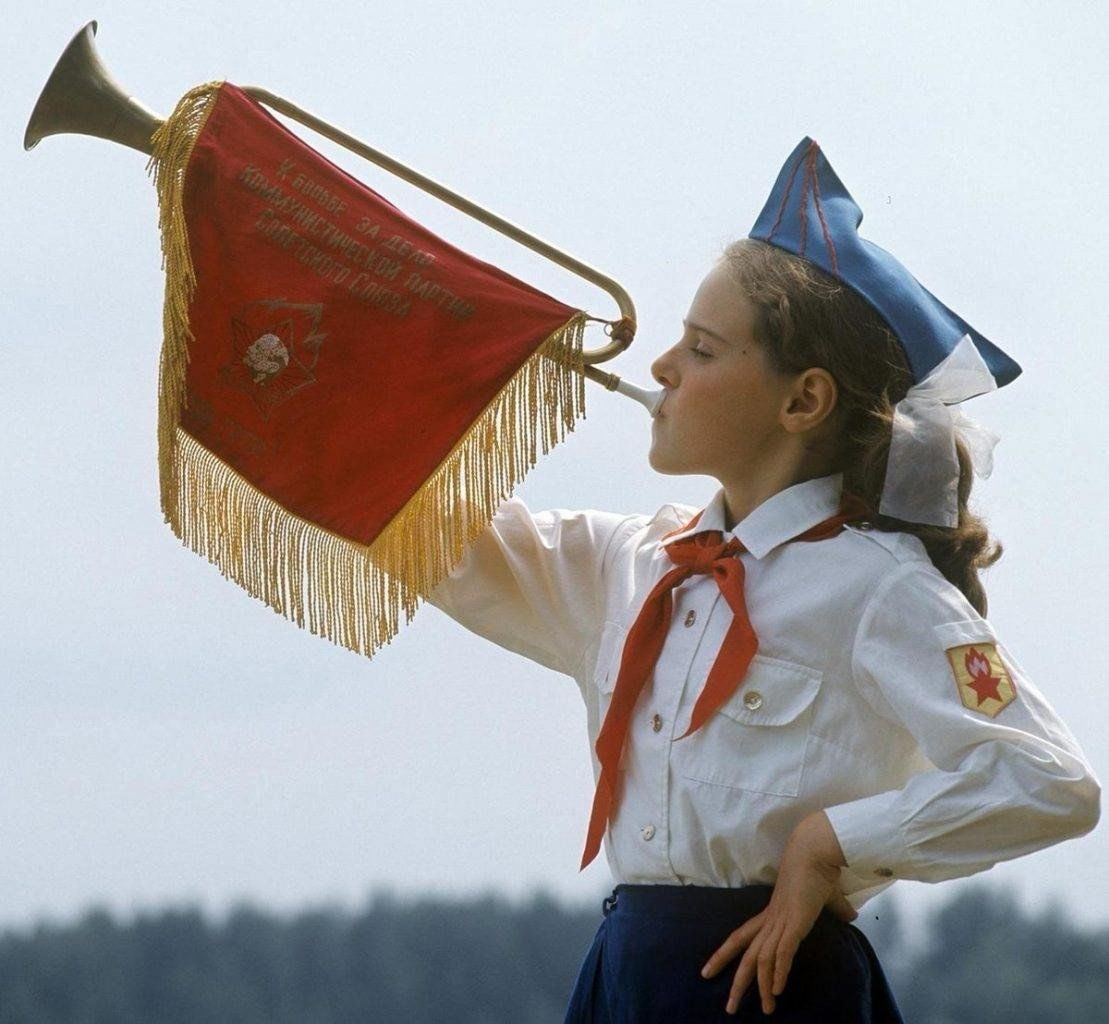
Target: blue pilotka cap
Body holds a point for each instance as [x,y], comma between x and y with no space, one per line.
[810,214]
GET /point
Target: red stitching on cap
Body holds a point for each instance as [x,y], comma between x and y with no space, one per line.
[801,212]
[785,199]
[823,223]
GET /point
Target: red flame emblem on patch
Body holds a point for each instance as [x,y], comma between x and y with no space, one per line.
[982,681]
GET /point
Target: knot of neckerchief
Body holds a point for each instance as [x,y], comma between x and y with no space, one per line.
[704,553]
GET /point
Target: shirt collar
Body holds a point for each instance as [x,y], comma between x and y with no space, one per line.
[778,519]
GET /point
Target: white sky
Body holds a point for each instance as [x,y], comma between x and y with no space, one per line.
[166,738]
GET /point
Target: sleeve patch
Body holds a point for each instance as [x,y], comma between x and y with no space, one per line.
[983,682]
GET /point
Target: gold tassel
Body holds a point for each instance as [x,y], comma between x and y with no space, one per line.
[172,145]
[350,593]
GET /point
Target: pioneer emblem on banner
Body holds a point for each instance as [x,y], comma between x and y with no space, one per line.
[275,346]
[984,682]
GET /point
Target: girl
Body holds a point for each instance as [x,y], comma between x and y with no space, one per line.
[793,695]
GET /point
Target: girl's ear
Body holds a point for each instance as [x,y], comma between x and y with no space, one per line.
[810,401]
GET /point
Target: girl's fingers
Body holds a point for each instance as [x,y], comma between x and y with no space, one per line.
[744,975]
[760,953]
[767,968]
[769,948]
[766,978]
[731,946]
[782,966]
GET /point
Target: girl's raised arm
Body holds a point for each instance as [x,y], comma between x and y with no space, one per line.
[533,583]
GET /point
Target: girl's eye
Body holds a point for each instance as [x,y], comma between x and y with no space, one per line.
[703,353]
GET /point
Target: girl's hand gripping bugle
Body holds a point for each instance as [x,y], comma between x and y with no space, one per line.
[808,881]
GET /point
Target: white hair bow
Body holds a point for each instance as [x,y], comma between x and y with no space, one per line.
[922,475]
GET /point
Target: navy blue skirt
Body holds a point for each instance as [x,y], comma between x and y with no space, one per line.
[644,966]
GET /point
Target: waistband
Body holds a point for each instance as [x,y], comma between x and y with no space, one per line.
[682,900]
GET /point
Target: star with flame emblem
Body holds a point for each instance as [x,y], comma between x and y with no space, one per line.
[275,346]
[983,680]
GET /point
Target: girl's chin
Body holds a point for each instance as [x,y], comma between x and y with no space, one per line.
[662,461]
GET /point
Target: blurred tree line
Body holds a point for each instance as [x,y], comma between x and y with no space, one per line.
[979,959]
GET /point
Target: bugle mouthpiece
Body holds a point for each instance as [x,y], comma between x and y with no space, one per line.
[650,399]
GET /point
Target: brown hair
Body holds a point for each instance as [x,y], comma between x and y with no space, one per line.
[805,318]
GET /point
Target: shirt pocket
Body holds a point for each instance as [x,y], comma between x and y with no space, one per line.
[758,740]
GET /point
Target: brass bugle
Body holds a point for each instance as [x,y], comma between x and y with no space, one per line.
[82,97]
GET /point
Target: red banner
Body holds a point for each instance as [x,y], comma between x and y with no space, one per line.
[334,371]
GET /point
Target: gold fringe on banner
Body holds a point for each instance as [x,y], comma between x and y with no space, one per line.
[350,593]
[172,145]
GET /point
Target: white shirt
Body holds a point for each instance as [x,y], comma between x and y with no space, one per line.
[851,705]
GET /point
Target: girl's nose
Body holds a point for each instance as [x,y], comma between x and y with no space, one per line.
[663,370]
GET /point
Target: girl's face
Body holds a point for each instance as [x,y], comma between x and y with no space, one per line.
[722,412]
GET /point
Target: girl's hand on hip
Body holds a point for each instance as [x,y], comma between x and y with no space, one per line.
[808,881]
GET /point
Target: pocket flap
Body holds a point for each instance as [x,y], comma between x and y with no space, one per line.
[773,692]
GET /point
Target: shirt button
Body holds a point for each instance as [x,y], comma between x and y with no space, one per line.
[656,722]
[647,832]
[690,617]
[752,700]
[884,872]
